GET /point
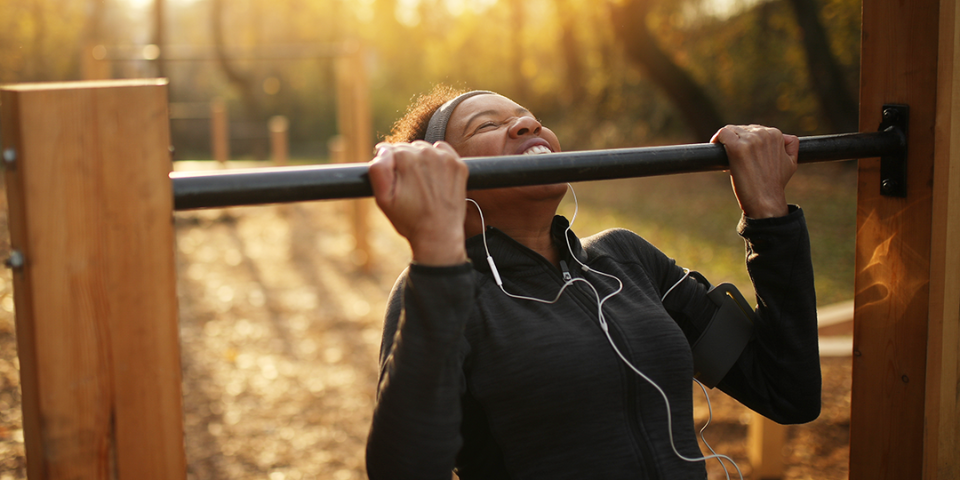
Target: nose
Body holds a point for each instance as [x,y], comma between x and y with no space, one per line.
[525,125]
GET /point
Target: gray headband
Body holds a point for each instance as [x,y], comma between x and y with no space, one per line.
[437,128]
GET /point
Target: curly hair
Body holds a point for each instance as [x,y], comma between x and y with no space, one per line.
[413,124]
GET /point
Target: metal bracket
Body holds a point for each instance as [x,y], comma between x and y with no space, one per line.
[893,166]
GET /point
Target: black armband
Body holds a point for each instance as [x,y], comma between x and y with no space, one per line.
[725,337]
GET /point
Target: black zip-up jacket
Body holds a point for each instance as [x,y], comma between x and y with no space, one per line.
[501,388]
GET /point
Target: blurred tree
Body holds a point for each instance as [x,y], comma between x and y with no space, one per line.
[629,21]
[244,82]
[518,50]
[771,63]
[567,60]
[37,69]
[40,40]
[838,106]
[570,49]
[90,67]
[159,35]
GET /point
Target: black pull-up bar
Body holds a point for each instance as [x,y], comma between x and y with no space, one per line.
[192,190]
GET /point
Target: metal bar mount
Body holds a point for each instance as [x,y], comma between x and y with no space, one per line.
[193,190]
[893,164]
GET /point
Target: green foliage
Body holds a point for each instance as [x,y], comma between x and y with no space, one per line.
[753,62]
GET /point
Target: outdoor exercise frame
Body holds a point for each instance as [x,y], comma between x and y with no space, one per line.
[90,217]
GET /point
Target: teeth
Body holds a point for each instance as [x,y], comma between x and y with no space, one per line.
[536,150]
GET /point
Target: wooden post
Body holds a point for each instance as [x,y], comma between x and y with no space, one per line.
[942,410]
[335,148]
[765,440]
[903,421]
[93,63]
[219,131]
[278,139]
[353,117]
[91,213]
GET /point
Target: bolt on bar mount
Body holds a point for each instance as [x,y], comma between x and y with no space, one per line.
[193,190]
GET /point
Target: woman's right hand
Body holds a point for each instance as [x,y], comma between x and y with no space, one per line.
[422,189]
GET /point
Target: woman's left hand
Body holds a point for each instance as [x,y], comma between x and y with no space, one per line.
[762,160]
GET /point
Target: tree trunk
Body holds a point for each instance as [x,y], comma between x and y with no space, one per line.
[520,89]
[574,88]
[700,114]
[826,79]
[38,63]
[244,83]
[159,35]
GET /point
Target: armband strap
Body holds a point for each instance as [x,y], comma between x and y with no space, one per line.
[725,337]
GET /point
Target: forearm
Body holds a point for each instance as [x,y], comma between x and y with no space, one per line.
[416,426]
[778,373]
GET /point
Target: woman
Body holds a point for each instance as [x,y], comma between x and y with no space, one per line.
[501,381]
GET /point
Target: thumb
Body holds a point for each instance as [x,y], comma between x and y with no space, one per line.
[383,175]
[792,145]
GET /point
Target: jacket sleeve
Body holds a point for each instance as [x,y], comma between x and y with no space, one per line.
[778,373]
[415,431]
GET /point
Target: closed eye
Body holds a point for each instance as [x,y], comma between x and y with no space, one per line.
[486,126]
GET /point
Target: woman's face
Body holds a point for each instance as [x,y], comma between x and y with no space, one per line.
[492,125]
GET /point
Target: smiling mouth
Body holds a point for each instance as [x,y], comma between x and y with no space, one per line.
[536,150]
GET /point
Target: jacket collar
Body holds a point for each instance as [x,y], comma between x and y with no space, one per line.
[511,255]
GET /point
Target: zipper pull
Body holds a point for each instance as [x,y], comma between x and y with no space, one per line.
[566,271]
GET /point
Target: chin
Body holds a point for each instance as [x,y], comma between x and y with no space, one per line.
[554,191]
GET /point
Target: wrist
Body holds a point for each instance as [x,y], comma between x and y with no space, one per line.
[439,252]
[766,209]
[771,213]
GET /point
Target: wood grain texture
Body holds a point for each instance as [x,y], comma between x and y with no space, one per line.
[91,209]
[941,442]
[898,65]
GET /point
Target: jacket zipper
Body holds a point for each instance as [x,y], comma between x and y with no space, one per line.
[566,271]
[648,459]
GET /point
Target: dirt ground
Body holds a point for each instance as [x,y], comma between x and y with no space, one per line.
[280,330]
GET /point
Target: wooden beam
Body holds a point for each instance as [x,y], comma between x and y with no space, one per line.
[279,128]
[942,412]
[219,131]
[356,130]
[765,439]
[91,212]
[896,249]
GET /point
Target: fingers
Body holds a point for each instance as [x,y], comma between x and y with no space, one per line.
[733,135]
[382,173]
[762,160]
[757,142]
[442,145]
[725,135]
[421,188]
[398,164]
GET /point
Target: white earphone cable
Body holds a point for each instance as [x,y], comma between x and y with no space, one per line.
[603,325]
